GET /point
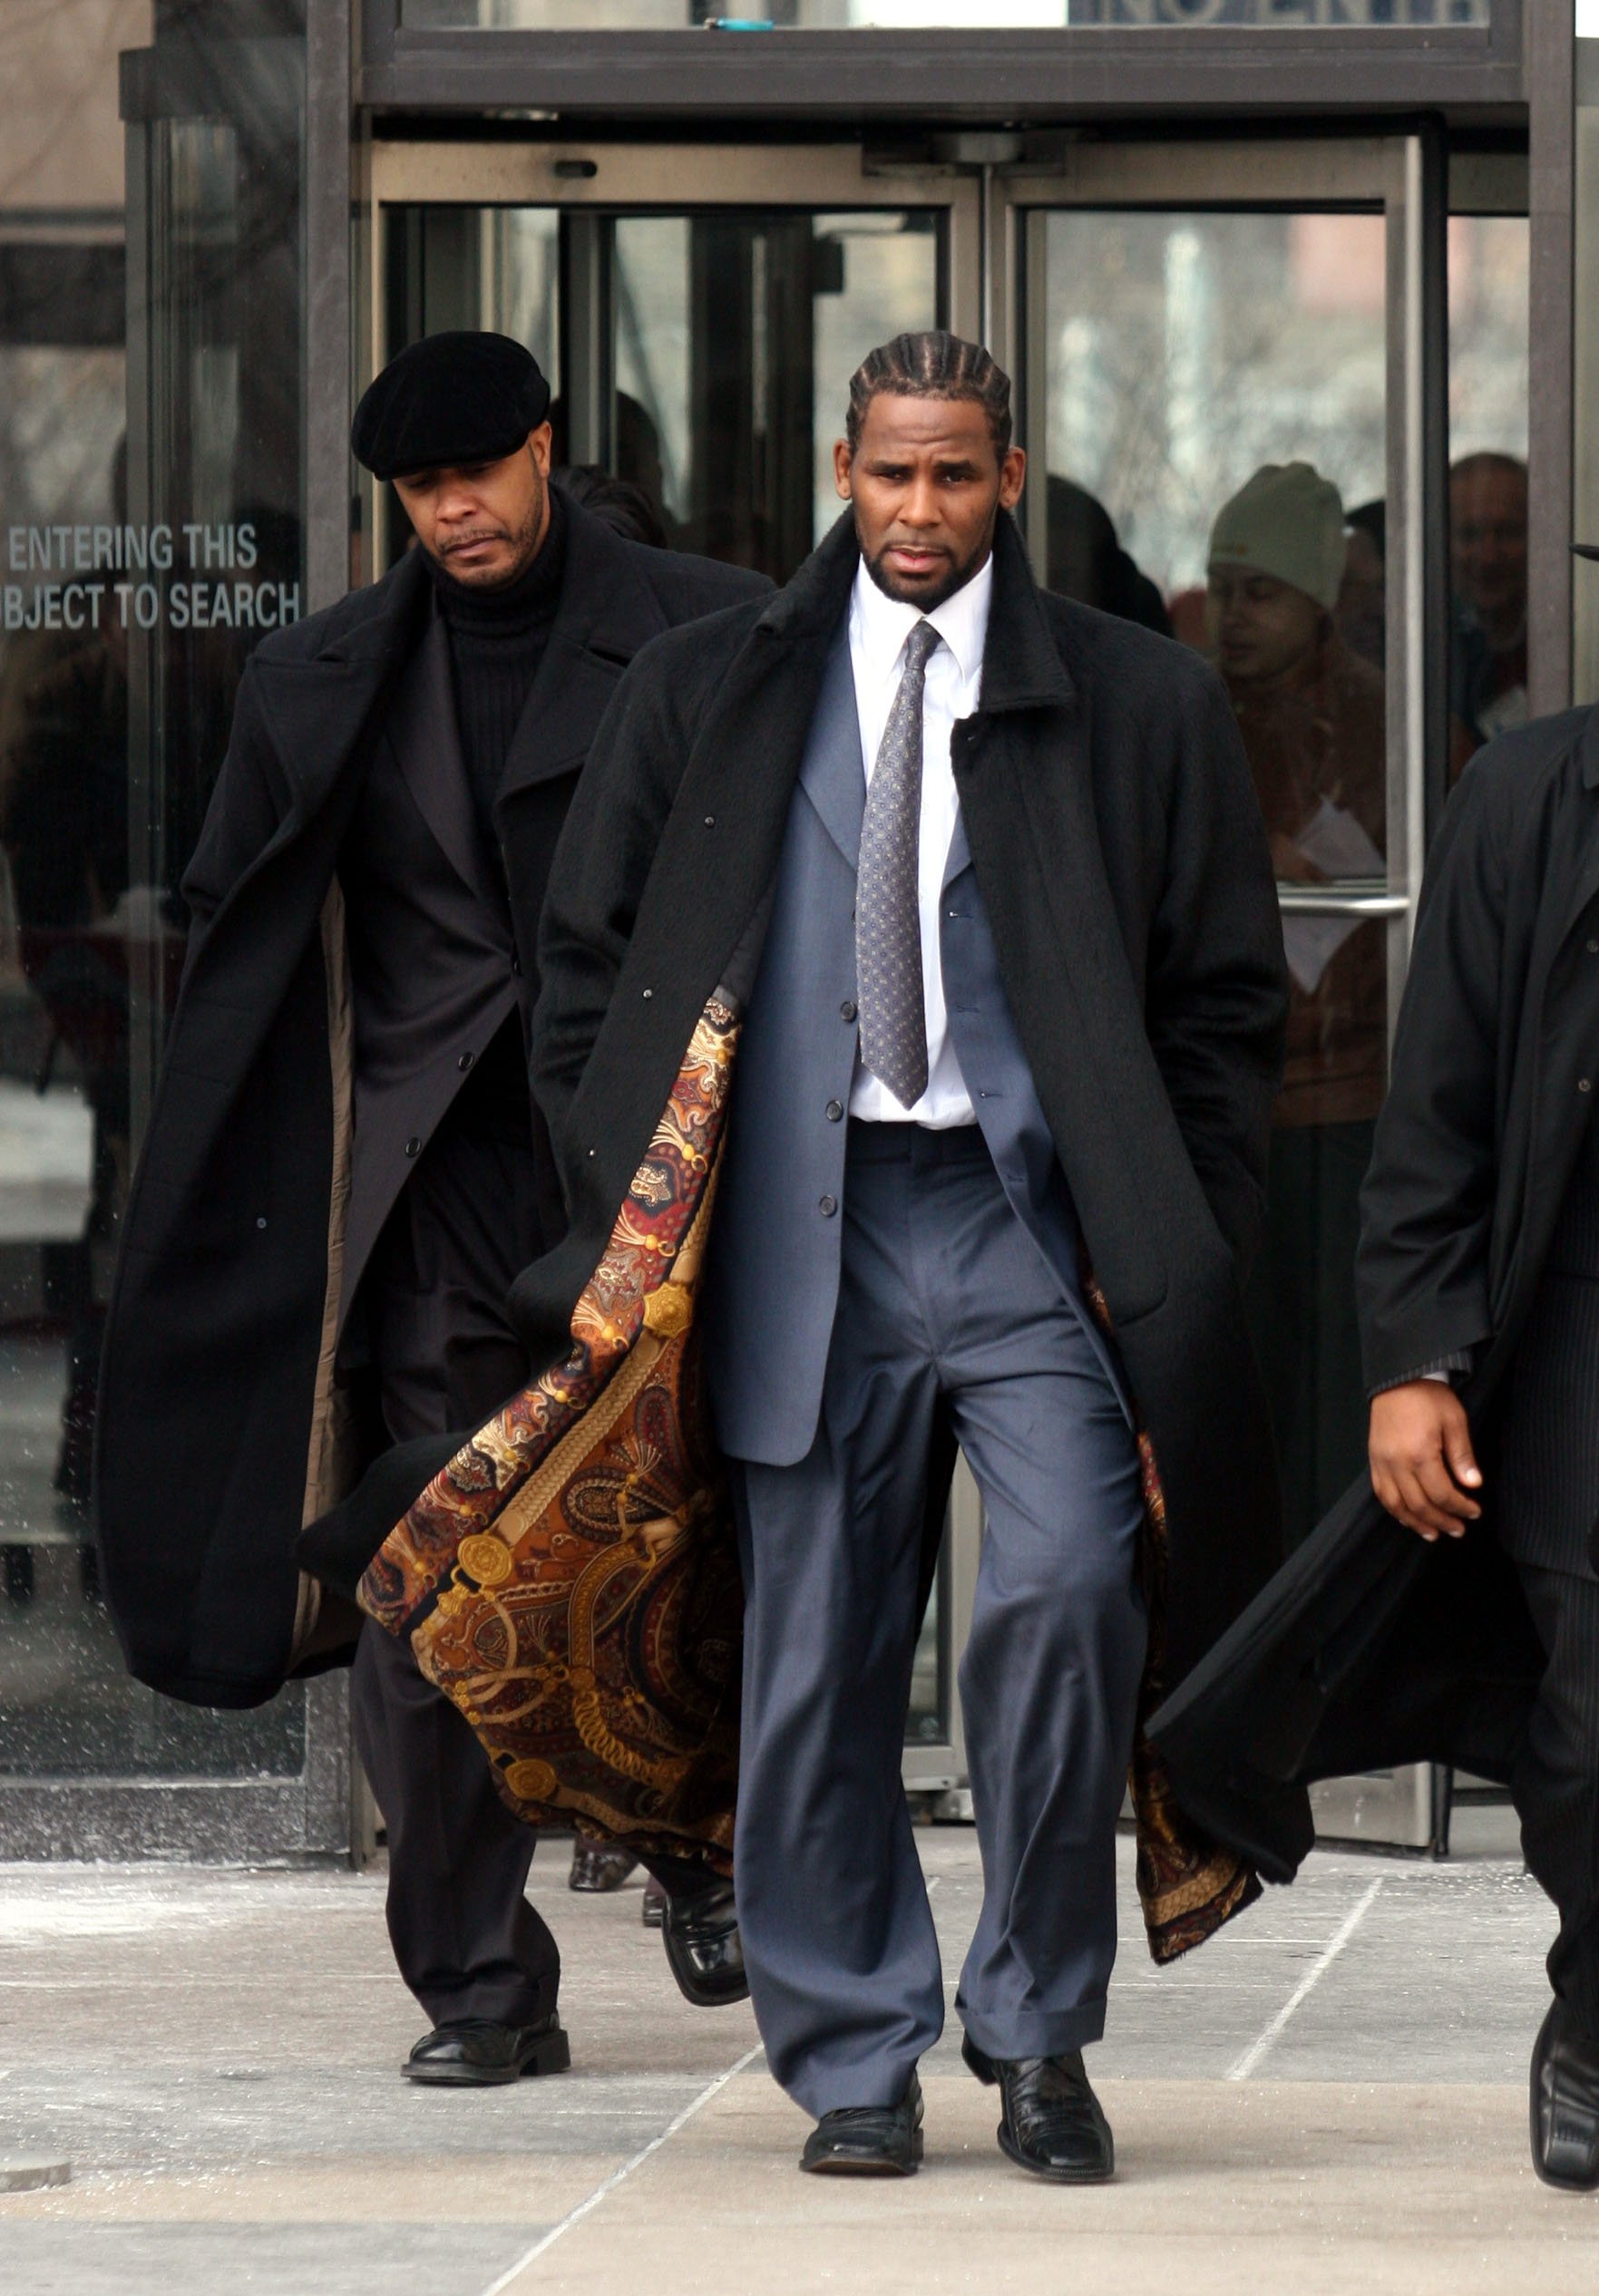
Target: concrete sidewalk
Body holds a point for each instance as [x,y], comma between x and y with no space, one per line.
[1330,2097]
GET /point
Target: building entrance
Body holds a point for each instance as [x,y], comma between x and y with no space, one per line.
[1225,382]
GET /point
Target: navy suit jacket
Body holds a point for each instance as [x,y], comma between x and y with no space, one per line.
[772,1277]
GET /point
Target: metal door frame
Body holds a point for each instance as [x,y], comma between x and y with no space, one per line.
[1402,178]
[585,175]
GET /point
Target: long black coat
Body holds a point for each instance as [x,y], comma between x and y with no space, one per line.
[1120,852]
[1372,1648]
[219,1433]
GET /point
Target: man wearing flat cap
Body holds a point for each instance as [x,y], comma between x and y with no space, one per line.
[344,1168]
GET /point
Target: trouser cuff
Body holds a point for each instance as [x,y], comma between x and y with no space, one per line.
[1034,2034]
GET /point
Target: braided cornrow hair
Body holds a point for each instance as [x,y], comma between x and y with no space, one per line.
[933,365]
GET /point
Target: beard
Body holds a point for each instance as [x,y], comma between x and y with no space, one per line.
[956,574]
[523,539]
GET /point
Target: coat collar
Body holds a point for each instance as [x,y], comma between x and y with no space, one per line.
[423,735]
[318,703]
[607,611]
[1021,667]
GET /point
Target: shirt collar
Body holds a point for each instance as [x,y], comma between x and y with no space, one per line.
[880,625]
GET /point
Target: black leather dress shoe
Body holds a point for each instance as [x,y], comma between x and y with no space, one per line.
[597,1866]
[1565,2104]
[702,1942]
[1051,2122]
[473,2053]
[868,2140]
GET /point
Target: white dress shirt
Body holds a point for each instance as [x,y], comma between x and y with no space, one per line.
[878,626]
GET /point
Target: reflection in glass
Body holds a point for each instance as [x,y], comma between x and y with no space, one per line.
[150,412]
[1489,305]
[1216,395]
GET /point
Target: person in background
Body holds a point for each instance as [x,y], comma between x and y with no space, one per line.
[1087,563]
[1312,712]
[1363,596]
[1487,563]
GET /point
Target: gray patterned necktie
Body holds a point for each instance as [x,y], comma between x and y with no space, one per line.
[888,913]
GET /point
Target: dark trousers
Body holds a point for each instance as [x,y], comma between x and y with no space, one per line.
[467,1941]
[1555,1786]
[943,1295]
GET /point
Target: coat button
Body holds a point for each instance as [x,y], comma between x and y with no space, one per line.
[828,1206]
[846,1011]
[465,1061]
[710,821]
[260,1223]
[1584,1084]
[649,993]
[1593,949]
[413,1146]
[834,1110]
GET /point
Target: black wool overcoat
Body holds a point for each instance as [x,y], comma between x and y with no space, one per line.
[1372,1648]
[1120,851]
[220,1431]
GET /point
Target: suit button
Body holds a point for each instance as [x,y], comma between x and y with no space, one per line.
[834,1110]
[1593,949]
[846,1011]
[465,1061]
[1584,1084]
[828,1206]
[413,1146]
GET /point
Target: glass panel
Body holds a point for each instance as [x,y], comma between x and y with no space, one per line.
[924,15]
[1487,478]
[149,498]
[1215,442]
[703,358]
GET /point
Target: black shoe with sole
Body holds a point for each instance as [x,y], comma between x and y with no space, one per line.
[1051,2123]
[868,2140]
[1565,2104]
[597,1866]
[474,2053]
[702,1942]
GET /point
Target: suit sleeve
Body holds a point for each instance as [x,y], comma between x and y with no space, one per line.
[1217,990]
[1427,1204]
[597,878]
[246,806]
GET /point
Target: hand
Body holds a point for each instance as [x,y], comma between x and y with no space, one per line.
[1423,1468]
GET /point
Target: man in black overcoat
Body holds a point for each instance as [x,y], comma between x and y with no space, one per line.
[344,1169]
[986,866]
[1447,1608]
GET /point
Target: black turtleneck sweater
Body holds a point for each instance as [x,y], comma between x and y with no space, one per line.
[497,641]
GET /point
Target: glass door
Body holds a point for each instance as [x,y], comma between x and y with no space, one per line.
[1219,350]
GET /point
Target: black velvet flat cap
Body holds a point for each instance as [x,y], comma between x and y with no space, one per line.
[449,401]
